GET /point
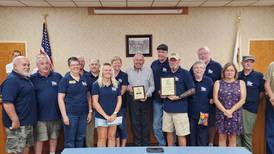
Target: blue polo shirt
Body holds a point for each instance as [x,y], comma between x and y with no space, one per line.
[213,70]
[159,70]
[107,98]
[199,102]
[254,85]
[91,79]
[46,91]
[19,91]
[75,94]
[122,78]
[183,82]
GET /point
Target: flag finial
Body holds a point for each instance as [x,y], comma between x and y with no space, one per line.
[45,17]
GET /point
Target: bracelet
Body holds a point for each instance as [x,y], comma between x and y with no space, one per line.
[115,112]
[90,111]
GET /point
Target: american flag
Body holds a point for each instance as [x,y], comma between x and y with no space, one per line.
[45,45]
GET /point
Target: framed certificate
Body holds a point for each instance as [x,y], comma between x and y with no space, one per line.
[138,92]
[168,86]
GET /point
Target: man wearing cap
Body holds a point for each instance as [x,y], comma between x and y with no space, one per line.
[175,116]
[269,116]
[19,107]
[160,67]
[255,88]
[214,71]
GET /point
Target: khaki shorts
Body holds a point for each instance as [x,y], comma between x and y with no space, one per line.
[177,122]
[45,130]
[19,139]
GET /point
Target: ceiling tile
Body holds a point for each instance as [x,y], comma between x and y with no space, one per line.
[35,3]
[86,0]
[113,0]
[165,4]
[194,0]
[59,0]
[264,3]
[166,1]
[88,3]
[10,3]
[139,4]
[113,4]
[241,2]
[62,4]
[190,4]
[139,0]
[216,3]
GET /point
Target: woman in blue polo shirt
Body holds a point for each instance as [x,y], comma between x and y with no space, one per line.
[75,105]
[122,78]
[107,102]
[199,106]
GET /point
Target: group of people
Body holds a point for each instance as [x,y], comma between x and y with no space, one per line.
[208,99]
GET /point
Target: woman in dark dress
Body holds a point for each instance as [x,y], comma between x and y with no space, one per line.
[229,96]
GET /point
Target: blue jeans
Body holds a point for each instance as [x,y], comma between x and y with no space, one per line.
[75,133]
[122,129]
[158,122]
[269,116]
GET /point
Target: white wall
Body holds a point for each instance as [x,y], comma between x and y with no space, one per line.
[73,32]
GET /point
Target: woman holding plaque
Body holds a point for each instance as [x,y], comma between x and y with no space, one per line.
[229,96]
[107,102]
[199,106]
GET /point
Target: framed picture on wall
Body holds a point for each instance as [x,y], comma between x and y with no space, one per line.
[139,43]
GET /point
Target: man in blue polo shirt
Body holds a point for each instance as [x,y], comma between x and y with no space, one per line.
[92,76]
[82,65]
[48,125]
[255,89]
[175,117]
[19,107]
[214,71]
[160,67]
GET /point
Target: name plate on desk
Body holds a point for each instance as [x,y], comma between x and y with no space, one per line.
[138,92]
[168,86]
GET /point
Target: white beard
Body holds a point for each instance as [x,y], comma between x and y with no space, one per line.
[23,73]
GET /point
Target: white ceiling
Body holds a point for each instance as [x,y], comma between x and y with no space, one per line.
[135,3]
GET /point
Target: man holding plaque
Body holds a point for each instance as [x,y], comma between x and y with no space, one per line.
[175,117]
[141,87]
[159,67]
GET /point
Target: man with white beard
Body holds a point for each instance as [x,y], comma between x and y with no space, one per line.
[19,107]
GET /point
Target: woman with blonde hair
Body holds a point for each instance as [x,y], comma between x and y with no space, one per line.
[229,96]
[107,102]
